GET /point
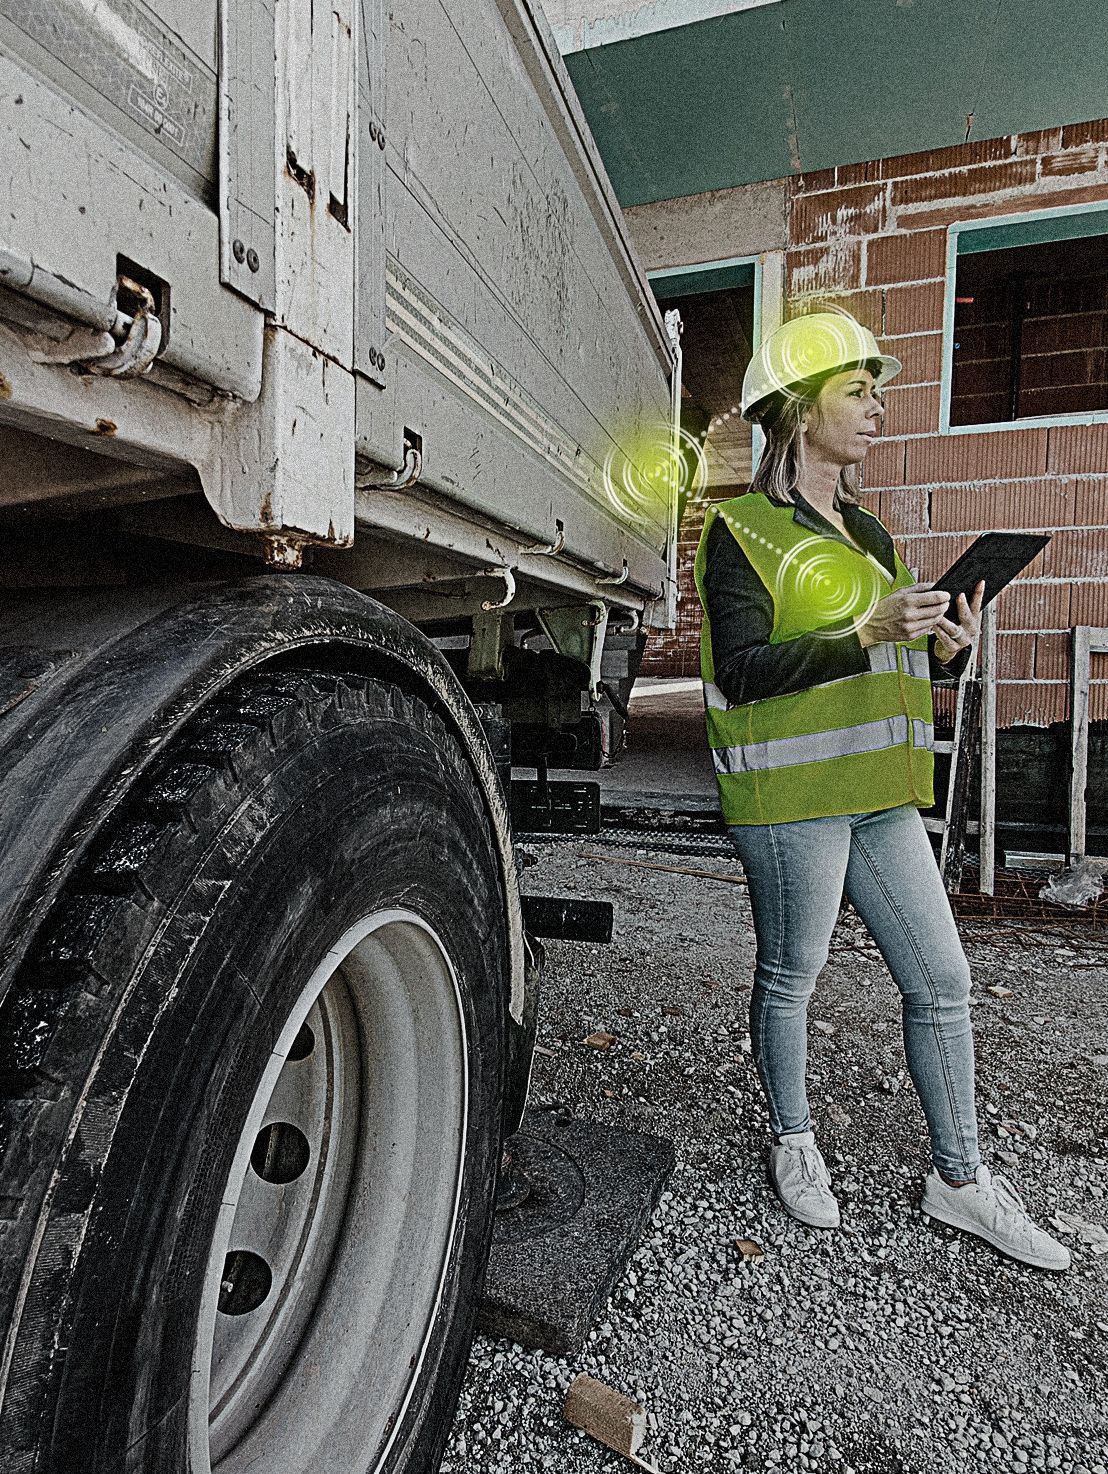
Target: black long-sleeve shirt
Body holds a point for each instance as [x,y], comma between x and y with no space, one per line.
[740,611]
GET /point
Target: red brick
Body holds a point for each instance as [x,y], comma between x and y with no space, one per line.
[867,307]
[960,184]
[931,555]
[884,465]
[1069,399]
[814,180]
[1031,703]
[1037,199]
[837,213]
[903,510]
[914,552]
[1047,140]
[921,356]
[1098,701]
[1052,657]
[945,707]
[1075,134]
[834,267]
[1025,504]
[1081,368]
[917,309]
[1015,657]
[1057,334]
[1077,448]
[1010,454]
[1035,606]
[975,377]
[848,174]
[1090,502]
[979,409]
[987,338]
[912,255]
[1076,553]
[1074,161]
[911,409]
[958,156]
[1090,604]
[1055,295]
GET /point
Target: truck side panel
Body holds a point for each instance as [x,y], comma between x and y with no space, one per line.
[503,294]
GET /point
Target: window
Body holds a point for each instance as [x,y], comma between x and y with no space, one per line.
[1028,337]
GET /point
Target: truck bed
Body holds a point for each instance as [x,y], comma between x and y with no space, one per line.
[434,276]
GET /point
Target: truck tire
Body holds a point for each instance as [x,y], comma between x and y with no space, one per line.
[260,1037]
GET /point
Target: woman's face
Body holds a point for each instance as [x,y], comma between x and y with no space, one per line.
[845,420]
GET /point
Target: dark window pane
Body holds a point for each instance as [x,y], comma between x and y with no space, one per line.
[1031,332]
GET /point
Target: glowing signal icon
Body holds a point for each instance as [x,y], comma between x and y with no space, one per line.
[830,585]
[642,484]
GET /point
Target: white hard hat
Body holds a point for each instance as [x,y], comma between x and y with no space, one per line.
[806,346]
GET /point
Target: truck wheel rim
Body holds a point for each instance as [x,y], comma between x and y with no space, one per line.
[333,1241]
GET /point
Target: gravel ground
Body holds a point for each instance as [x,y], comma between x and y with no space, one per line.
[887,1347]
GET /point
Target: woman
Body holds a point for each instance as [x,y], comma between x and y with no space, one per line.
[817,653]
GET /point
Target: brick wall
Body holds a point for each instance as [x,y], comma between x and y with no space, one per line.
[872,238]
[676,652]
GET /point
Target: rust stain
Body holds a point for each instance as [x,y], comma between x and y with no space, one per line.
[5,388]
[105,427]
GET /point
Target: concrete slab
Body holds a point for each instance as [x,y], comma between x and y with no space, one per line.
[557,1253]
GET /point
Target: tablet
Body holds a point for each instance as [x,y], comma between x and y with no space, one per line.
[995,557]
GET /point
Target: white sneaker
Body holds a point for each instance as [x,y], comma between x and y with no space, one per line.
[991,1208]
[800,1178]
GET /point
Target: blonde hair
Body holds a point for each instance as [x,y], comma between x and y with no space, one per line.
[781,416]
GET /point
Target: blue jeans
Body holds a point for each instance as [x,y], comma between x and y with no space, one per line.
[797,874]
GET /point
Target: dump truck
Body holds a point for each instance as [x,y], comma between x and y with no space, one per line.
[338,477]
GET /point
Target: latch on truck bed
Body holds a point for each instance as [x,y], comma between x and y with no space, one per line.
[126,349]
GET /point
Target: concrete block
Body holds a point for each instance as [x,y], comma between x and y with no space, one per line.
[588,1193]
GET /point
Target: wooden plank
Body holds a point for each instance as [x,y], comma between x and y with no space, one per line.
[987,835]
[1087,641]
[967,727]
[672,869]
[960,748]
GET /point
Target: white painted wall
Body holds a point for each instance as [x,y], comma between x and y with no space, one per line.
[581,23]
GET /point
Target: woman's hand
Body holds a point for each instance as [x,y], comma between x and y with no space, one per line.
[950,638]
[906,614]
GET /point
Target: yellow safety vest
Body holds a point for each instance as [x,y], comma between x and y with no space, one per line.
[852,745]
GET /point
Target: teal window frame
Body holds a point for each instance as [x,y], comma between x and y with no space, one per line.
[996,233]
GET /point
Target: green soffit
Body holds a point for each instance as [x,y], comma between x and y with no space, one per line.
[806,84]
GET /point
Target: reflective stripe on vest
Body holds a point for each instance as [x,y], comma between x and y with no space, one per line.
[916,662]
[851,745]
[923,736]
[883,657]
[814,747]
